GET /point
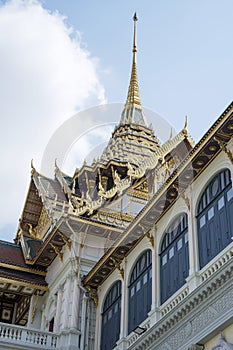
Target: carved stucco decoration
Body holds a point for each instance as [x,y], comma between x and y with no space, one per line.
[196,347]
[222,344]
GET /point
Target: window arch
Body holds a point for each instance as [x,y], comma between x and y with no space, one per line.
[111,317]
[174,257]
[215,217]
[140,291]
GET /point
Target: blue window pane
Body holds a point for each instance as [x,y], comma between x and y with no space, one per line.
[140,291]
[111,318]
[215,234]
[145,278]
[229,194]
[202,221]
[210,213]
[138,286]
[164,259]
[179,244]
[171,252]
[221,203]
[174,266]
[110,314]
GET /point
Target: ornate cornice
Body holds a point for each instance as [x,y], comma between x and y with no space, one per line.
[24,283]
[24,269]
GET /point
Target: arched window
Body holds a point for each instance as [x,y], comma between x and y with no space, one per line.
[174,257]
[140,291]
[215,217]
[111,318]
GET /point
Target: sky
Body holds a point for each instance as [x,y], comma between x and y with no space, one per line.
[62,57]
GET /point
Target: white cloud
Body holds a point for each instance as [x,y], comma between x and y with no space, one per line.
[89,146]
[46,76]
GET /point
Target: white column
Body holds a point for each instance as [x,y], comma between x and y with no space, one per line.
[75,304]
[32,303]
[154,273]
[83,321]
[155,313]
[58,309]
[124,296]
[193,244]
[122,343]
[98,324]
[66,302]
[193,279]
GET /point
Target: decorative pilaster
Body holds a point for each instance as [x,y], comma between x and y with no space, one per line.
[58,310]
[124,295]
[65,320]
[32,303]
[75,303]
[155,313]
[154,274]
[193,278]
[83,320]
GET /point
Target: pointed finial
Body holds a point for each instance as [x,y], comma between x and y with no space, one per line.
[185,128]
[171,134]
[133,92]
[33,170]
[133,112]
[55,163]
[56,170]
[134,33]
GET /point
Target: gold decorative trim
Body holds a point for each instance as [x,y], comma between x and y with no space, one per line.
[93,295]
[150,238]
[24,284]
[224,148]
[186,200]
[118,266]
[98,224]
[57,251]
[65,240]
[24,269]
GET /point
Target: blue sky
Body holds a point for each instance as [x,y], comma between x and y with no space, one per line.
[59,57]
[185,53]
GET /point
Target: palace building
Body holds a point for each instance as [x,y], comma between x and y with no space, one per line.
[133,251]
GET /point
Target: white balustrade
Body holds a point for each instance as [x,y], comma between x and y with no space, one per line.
[132,337]
[21,335]
[174,300]
[215,264]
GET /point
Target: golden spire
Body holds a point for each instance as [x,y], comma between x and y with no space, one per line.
[133,92]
